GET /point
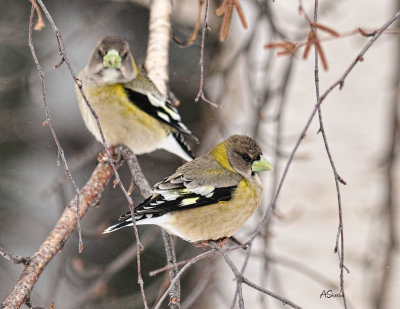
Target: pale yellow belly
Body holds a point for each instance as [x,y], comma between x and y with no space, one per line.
[216,221]
[121,121]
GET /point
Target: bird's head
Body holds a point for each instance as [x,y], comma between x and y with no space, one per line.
[241,154]
[112,61]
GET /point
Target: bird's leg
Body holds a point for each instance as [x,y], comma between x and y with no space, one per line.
[200,243]
[221,241]
[204,243]
[238,242]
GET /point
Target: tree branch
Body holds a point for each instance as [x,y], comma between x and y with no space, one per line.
[157,69]
[16,259]
[63,229]
[338,249]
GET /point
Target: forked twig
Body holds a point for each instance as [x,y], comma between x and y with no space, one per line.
[200,93]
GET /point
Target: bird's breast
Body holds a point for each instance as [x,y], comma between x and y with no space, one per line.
[121,120]
[218,220]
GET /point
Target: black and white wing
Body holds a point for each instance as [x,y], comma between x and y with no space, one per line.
[145,96]
[174,194]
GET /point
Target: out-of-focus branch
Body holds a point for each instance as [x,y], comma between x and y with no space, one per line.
[63,229]
[96,288]
[156,65]
[390,184]
[264,222]
[339,83]
[241,279]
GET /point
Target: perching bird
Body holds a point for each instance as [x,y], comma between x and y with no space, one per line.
[208,198]
[131,110]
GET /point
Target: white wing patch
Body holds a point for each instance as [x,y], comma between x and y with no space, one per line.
[162,103]
[189,201]
[206,191]
[163,116]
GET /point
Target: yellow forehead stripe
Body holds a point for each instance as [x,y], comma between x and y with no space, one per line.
[220,154]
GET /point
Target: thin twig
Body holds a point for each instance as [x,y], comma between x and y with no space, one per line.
[340,251]
[239,277]
[265,220]
[200,94]
[119,263]
[179,274]
[201,285]
[175,293]
[16,259]
[64,59]
[63,229]
[48,122]
[339,83]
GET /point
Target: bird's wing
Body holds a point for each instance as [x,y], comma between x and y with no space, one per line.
[145,96]
[174,196]
[185,189]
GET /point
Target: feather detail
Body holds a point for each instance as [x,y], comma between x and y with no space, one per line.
[157,107]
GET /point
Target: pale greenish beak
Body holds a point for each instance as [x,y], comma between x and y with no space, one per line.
[261,165]
[112,59]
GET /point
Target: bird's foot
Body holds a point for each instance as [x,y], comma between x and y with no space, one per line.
[205,243]
[221,241]
[200,244]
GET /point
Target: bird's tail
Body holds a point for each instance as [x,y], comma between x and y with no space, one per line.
[120,225]
[176,144]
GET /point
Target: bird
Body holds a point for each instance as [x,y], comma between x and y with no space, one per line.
[130,108]
[208,198]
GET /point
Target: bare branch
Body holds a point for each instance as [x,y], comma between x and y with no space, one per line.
[63,229]
[50,124]
[157,69]
[339,83]
[200,93]
[120,262]
[241,279]
[333,166]
[179,274]
[137,174]
[16,259]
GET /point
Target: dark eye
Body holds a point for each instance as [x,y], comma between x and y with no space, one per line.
[100,53]
[124,54]
[246,157]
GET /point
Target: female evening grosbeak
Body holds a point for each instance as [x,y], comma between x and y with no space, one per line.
[208,198]
[130,108]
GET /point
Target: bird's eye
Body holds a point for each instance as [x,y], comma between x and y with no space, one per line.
[124,54]
[246,157]
[100,53]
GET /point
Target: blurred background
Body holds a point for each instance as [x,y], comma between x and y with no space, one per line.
[263,95]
